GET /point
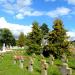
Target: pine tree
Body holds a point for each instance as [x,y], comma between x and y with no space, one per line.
[44,29]
[58,42]
[21,40]
[35,38]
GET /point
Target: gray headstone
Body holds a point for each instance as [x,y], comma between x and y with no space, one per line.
[65,70]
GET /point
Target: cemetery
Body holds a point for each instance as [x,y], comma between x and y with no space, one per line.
[23,64]
[38,53]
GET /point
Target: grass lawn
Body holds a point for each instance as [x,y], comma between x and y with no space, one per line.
[8,68]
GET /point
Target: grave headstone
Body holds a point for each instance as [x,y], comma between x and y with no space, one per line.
[42,62]
[33,55]
[41,55]
[20,59]
[21,63]
[51,60]
[30,66]
[10,47]
[64,58]
[44,67]
[4,48]
[65,70]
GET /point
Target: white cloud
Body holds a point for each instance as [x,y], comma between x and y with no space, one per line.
[54,13]
[22,3]
[50,0]
[19,7]
[71,1]
[15,6]
[22,8]
[15,28]
[71,34]
[59,12]
[29,13]
[19,16]
[37,13]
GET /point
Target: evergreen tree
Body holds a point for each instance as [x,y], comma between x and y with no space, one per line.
[35,38]
[58,42]
[44,29]
[21,40]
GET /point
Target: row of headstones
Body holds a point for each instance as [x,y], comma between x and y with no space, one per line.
[4,48]
[21,60]
[65,70]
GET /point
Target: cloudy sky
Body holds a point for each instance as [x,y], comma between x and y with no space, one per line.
[18,15]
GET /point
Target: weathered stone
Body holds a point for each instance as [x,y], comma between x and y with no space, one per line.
[20,59]
[51,60]
[42,57]
[30,66]
[21,64]
[4,48]
[44,68]
[65,70]
[64,58]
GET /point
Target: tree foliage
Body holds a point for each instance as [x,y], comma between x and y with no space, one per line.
[44,28]
[6,37]
[21,40]
[58,42]
[34,38]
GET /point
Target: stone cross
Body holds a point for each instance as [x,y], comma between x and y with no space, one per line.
[42,56]
[21,62]
[42,62]
[30,66]
[51,59]
[33,56]
[65,70]
[20,59]
[64,59]
[44,67]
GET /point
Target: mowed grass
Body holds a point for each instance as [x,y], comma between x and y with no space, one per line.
[7,67]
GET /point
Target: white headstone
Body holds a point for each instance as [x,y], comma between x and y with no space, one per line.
[44,68]
[64,58]
[41,55]
[3,49]
[14,61]
[10,47]
[21,64]
[33,55]
[51,60]
[30,66]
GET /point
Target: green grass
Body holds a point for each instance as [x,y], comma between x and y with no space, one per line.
[8,68]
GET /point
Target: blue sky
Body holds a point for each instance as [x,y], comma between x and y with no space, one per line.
[18,15]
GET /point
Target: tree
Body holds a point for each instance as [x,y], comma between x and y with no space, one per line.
[34,38]
[21,40]
[58,42]
[1,38]
[44,29]
[6,37]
